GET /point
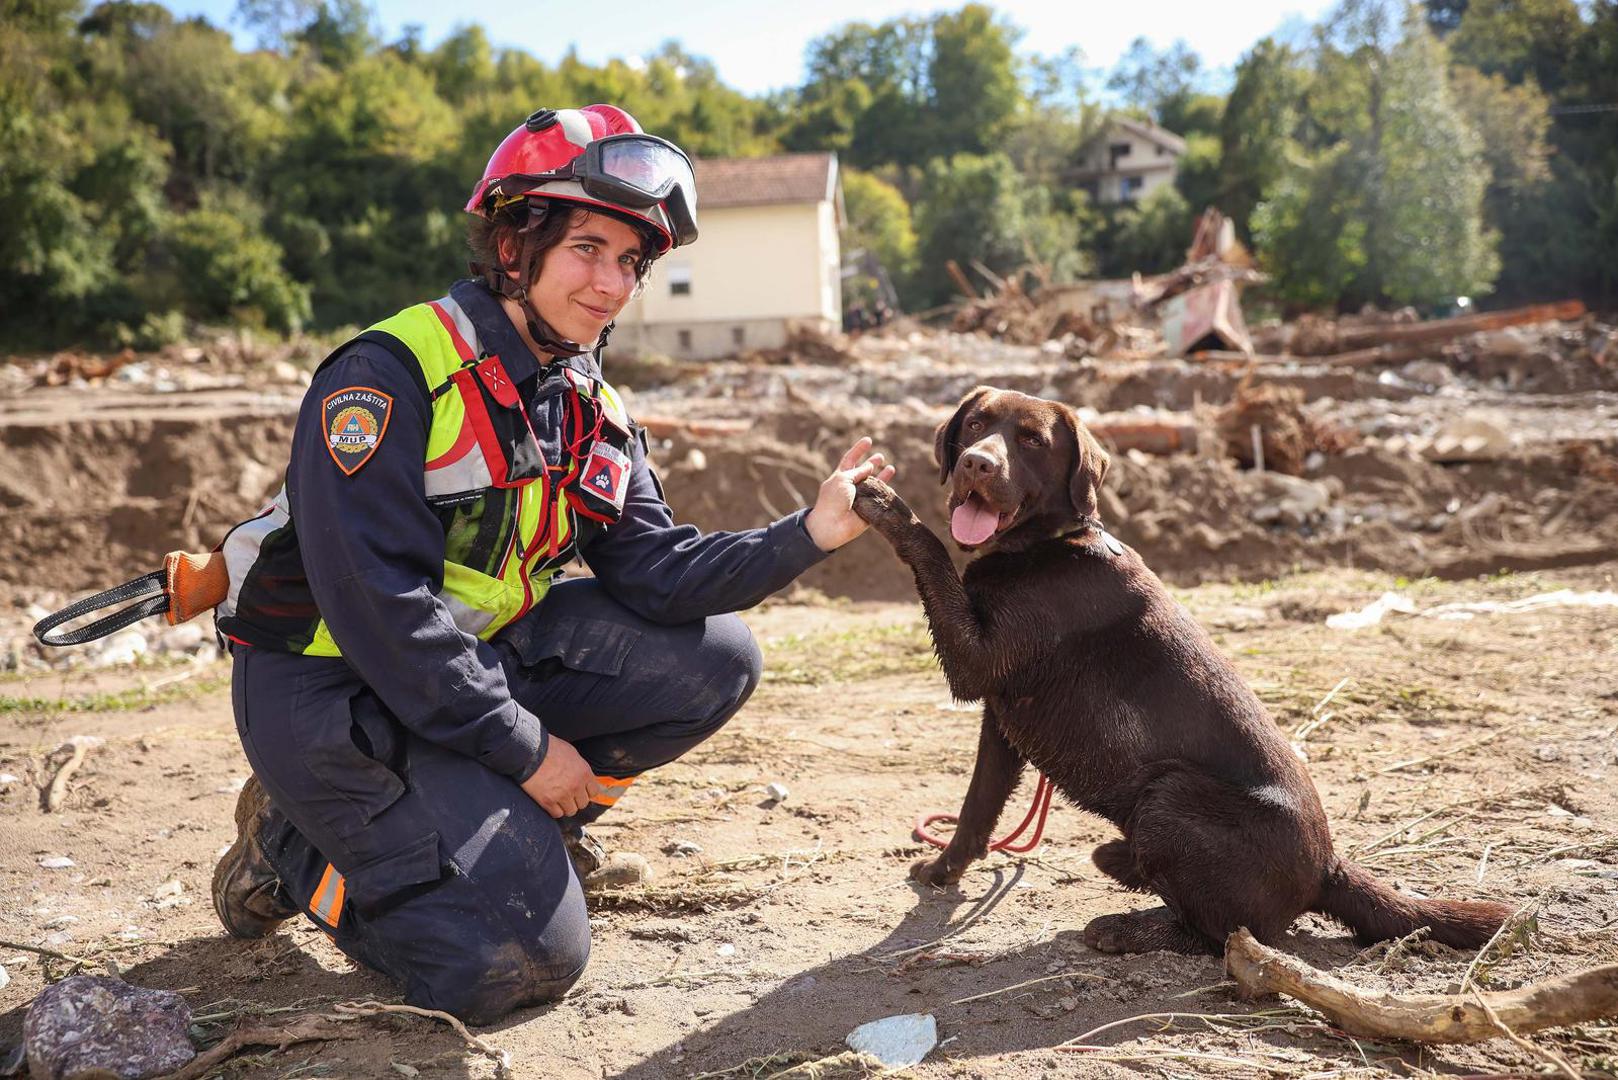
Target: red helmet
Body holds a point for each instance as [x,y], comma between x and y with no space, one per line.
[595,156]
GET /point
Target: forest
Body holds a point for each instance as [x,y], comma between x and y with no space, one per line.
[154,177]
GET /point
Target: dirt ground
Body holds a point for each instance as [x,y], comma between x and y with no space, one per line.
[1457,758]
[1460,758]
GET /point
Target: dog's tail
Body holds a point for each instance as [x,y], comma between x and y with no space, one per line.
[1376,912]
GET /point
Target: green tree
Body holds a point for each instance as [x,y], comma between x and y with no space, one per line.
[222,113]
[1257,128]
[972,78]
[462,64]
[1198,178]
[1164,85]
[1150,236]
[1518,39]
[1402,172]
[1310,231]
[226,268]
[932,87]
[977,207]
[1430,240]
[878,221]
[81,185]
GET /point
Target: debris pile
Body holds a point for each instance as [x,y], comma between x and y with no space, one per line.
[1265,426]
[1012,315]
[1199,305]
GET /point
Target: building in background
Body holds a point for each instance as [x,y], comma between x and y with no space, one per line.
[767,261]
[1128,161]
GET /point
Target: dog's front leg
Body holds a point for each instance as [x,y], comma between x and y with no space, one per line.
[958,636]
[994,777]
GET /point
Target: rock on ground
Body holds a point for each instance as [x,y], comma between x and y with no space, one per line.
[90,1023]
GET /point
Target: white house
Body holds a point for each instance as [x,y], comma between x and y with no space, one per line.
[1128,161]
[766,260]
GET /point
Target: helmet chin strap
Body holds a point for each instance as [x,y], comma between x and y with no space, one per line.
[500,283]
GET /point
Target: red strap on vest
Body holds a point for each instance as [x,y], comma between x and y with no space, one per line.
[462,349]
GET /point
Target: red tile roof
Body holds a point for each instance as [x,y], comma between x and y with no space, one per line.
[784,178]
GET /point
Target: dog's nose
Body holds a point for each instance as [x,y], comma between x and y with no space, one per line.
[978,462]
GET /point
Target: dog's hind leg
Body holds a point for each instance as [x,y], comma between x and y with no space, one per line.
[1155,930]
[1221,857]
[1116,859]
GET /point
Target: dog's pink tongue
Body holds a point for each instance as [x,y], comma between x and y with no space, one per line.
[973,522]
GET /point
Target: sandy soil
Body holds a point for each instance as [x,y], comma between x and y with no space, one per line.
[1457,758]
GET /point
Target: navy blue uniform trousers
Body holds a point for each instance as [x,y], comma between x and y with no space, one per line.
[435,870]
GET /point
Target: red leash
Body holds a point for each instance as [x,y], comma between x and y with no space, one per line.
[1041,809]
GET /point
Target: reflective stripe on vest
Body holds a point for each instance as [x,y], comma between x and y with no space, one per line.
[442,338]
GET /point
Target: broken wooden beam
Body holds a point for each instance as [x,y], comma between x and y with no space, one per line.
[957,275]
[1170,435]
[1349,339]
[1357,358]
[1586,995]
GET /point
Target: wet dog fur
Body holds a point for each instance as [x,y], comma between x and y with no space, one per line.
[1091,672]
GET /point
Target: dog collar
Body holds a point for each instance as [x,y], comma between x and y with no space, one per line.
[1088,522]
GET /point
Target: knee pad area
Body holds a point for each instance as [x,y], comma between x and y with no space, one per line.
[496,978]
[736,661]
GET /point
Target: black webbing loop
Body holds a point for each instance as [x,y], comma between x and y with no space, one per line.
[147,590]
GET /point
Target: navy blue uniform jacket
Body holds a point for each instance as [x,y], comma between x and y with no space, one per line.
[373,551]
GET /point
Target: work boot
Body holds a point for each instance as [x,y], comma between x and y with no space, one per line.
[247,891]
[584,850]
[595,869]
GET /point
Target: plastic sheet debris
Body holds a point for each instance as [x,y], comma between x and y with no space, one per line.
[1373,612]
[897,1041]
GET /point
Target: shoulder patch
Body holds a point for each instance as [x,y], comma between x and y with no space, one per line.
[356,420]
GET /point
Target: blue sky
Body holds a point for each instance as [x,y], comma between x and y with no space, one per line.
[758,47]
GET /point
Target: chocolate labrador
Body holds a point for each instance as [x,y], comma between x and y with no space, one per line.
[1089,670]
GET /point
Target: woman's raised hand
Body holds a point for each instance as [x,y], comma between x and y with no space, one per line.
[831,521]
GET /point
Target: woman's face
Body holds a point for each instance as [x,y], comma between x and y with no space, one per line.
[585,281]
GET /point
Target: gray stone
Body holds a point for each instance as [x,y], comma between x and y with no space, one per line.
[91,1022]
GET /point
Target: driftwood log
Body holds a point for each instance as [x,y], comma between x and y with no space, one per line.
[1429,1018]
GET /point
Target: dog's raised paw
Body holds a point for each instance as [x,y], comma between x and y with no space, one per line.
[874,500]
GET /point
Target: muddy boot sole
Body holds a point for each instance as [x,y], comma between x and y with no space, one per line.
[246,889]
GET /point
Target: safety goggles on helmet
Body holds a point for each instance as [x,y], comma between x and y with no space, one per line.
[631,170]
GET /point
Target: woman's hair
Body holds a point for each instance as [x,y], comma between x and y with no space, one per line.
[484,237]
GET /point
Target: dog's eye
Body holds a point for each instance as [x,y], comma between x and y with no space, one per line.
[974,425]
[1033,442]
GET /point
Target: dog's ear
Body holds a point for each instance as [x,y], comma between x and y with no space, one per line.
[1090,465]
[947,439]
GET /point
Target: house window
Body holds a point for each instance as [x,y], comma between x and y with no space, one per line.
[685,341]
[1118,150]
[738,335]
[1161,150]
[1131,186]
[679,279]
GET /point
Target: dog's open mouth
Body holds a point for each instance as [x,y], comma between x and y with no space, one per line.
[974,521]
